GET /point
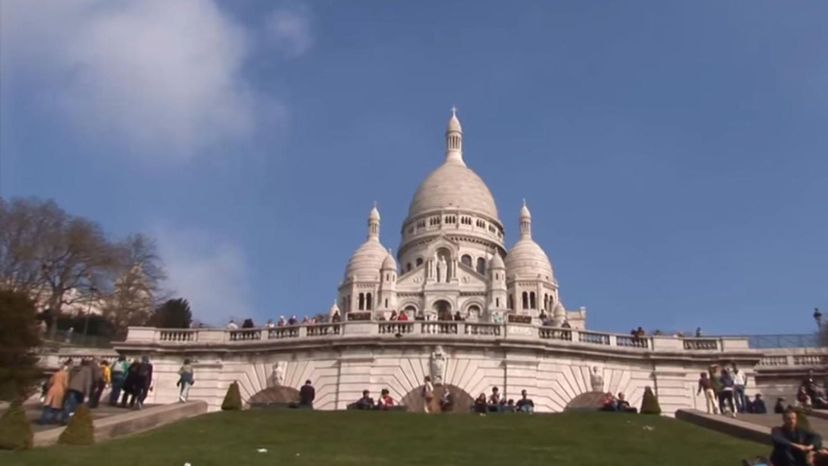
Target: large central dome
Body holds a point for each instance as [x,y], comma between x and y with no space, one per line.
[453,185]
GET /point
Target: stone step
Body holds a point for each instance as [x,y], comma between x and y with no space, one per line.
[131,422]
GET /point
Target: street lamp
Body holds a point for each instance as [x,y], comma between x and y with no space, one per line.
[818,318]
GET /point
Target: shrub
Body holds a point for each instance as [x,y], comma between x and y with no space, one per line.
[80,430]
[19,335]
[15,431]
[649,404]
[232,400]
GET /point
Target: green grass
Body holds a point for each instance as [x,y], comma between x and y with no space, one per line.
[400,439]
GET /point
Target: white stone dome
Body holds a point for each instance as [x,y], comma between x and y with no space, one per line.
[366,261]
[389,263]
[453,185]
[527,260]
[497,262]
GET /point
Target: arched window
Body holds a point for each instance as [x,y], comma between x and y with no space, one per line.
[532,303]
[474,310]
[368,301]
[511,302]
[497,302]
[481,266]
[386,303]
[361,302]
[466,260]
[525,300]
[419,261]
[408,267]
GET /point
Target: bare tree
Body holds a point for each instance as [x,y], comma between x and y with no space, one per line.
[55,258]
[137,290]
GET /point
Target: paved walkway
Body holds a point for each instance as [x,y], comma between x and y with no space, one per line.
[33,411]
[818,425]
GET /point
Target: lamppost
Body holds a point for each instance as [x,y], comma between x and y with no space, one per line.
[92,291]
[818,318]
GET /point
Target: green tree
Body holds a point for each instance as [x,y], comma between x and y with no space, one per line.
[19,334]
[175,313]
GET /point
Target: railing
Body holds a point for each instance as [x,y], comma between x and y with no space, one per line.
[463,329]
[627,341]
[810,359]
[395,328]
[245,335]
[279,333]
[594,338]
[704,344]
[479,328]
[321,330]
[178,336]
[549,333]
[438,328]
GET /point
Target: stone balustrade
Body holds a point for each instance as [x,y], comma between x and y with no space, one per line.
[439,329]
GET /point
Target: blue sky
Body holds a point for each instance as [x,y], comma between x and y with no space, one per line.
[674,154]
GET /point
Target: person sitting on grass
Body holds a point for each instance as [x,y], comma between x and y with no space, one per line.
[793,445]
[525,404]
[757,406]
[494,400]
[366,402]
[608,403]
[779,407]
[802,398]
[480,405]
[446,401]
[385,401]
[621,404]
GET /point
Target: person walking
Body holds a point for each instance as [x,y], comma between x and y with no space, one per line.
[80,384]
[706,386]
[727,393]
[739,384]
[306,395]
[53,403]
[428,394]
[185,380]
[144,381]
[119,371]
[100,379]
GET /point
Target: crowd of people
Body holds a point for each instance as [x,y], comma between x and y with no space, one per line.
[84,383]
[496,403]
[724,392]
[282,322]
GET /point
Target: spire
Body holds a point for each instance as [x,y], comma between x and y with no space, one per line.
[454,139]
[374,223]
[525,221]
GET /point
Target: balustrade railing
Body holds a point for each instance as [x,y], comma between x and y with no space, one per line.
[480,328]
[810,360]
[459,329]
[279,333]
[594,338]
[321,330]
[707,344]
[178,336]
[438,328]
[628,341]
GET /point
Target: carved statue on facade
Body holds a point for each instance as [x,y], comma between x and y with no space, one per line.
[438,365]
[596,380]
[441,270]
[278,376]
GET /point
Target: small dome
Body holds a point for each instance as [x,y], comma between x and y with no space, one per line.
[334,309]
[374,214]
[497,262]
[365,263]
[527,260]
[389,263]
[524,212]
[454,122]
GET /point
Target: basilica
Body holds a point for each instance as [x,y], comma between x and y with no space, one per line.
[452,261]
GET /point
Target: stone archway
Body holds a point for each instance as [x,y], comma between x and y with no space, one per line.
[274,397]
[443,309]
[589,401]
[461,401]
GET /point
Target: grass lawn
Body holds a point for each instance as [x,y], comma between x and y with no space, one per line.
[399,439]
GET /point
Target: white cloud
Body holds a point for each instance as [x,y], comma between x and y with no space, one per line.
[289,30]
[162,78]
[209,272]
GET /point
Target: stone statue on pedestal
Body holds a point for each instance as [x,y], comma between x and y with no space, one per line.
[438,365]
[596,380]
[278,376]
